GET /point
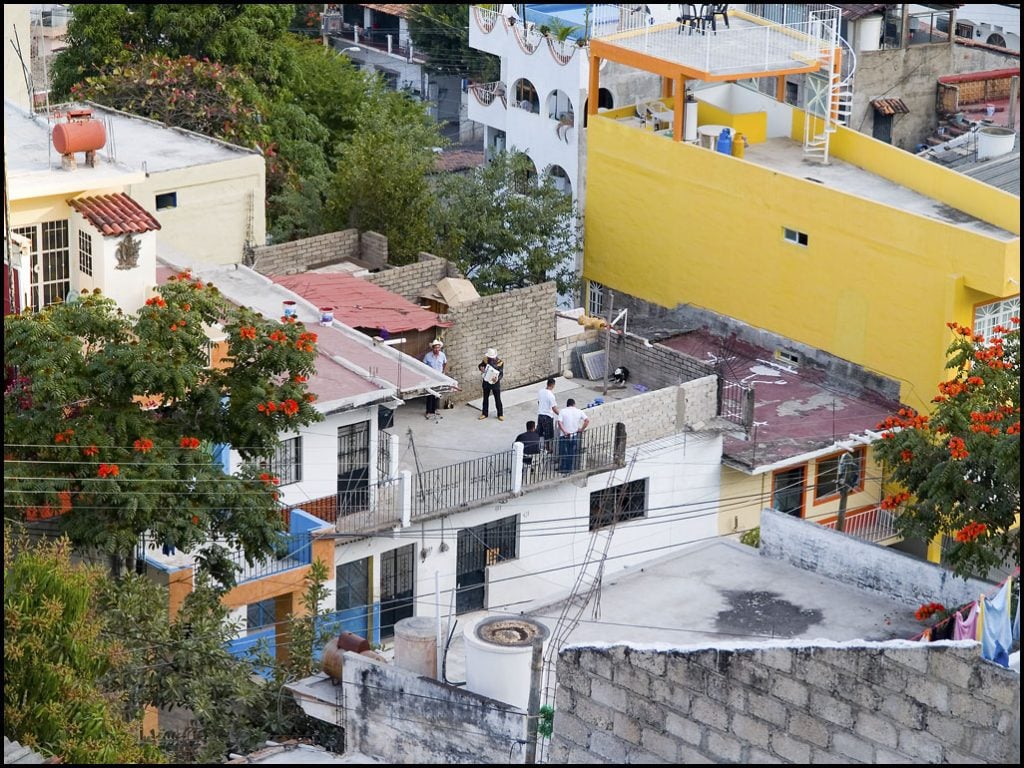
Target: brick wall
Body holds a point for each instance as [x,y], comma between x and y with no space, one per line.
[409,281]
[520,324]
[308,253]
[860,702]
[660,413]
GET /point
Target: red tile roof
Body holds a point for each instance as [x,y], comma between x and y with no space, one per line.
[115,214]
[395,9]
[890,106]
[360,304]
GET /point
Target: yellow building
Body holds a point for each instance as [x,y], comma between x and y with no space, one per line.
[792,227]
[854,248]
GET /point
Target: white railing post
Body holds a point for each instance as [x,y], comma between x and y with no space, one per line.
[405,497]
[517,468]
[389,45]
[392,456]
[355,33]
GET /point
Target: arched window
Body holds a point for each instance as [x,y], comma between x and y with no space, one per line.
[524,96]
[560,178]
[604,101]
[559,107]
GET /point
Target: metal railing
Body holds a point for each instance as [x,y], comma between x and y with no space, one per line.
[596,449]
[736,403]
[874,524]
[485,93]
[361,509]
[460,485]
[295,550]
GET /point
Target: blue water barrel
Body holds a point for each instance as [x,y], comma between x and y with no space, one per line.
[725,142]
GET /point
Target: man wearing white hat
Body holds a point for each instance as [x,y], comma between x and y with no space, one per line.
[437,360]
[492,371]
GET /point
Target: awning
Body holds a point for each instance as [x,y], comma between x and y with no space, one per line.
[890,106]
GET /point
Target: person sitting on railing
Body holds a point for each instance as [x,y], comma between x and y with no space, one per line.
[531,441]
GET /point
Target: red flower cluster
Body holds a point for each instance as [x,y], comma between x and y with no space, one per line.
[268,479]
[906,455]
[156,301]
[90,450]
[287,407]
[957,448]
[306,341]
[64,437]
[109,470]
[894,501]
[190,443]
[927,610]
[247,332]
[298,379]
[279,336]
[970,532]
[143,445]
[906,418]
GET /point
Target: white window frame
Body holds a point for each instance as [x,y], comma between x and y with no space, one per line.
[85,253]
[988,316]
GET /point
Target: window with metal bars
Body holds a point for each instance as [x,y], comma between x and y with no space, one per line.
[618,504]
[85,253]
[50,263]
[988,316]
[287,461]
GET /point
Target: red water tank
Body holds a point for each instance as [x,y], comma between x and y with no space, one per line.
[79,136]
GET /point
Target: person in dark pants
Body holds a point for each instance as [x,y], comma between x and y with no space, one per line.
[492,371]
[531,441]
[571,423]
[437,360]
[547,412]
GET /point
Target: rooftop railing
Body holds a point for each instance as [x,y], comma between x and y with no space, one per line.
[874,524]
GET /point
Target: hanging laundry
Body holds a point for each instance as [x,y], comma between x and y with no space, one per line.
[966,628]
[996,629]
[944,629]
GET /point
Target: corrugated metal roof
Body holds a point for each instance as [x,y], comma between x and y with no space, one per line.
[890,106]
[115,214]
[361,304]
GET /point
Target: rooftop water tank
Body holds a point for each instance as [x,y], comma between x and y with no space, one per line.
[80,134]
[330,660]
[416,645]
[994,141]
[498,655]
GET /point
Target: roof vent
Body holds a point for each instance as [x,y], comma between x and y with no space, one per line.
[81,133]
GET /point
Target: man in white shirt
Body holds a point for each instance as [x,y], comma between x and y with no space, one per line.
[437,360]
[547,411]
[571,423]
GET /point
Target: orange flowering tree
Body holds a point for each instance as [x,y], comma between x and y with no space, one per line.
[958,469]
[114,424]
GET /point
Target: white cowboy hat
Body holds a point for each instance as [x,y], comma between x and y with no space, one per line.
[491,352]
[437,343]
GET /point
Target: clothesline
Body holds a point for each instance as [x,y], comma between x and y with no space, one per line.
[966,606]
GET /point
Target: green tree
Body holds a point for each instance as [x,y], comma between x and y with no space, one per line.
[504,230]
[958,469]
[242,35]
[381,182]
[111,421]
[440,32]
[55,657]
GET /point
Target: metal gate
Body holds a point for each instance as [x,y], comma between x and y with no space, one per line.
[397,580]
[353,468]
[478,548]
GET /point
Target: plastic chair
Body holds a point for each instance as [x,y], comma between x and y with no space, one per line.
[716,10]
[689,17]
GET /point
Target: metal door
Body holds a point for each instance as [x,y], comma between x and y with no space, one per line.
[353,468]
[397,587]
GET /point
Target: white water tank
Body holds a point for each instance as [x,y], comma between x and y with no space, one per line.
[869,33]
[994,141]
[690,119]
[499,651]
[416,645]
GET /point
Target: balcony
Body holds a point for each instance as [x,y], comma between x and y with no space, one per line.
[488,103]
[875,524]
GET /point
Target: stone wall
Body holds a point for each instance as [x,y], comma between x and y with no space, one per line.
[307,253]
[411,280]
[399,717]
[881,703]
[860,564]
[520,324]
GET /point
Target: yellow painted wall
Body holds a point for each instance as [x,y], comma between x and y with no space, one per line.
[744,496]
[673,223]
[753,125]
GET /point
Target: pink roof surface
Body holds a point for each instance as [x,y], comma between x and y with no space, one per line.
[360,304]
[796,411]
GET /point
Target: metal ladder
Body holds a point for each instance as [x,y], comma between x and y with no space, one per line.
[830,101]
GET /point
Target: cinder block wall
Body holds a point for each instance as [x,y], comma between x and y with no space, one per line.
[660,413]
[307,253]
[655,365]
[399,717]
[879,569]
[410,280]
[881,703]
[520,324]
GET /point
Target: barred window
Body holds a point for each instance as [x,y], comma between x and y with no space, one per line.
[595,299]
[988,316]
[618,504]
[287,461]
[85,253]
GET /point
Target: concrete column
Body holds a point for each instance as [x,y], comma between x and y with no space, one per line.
[405,497]
[517,467]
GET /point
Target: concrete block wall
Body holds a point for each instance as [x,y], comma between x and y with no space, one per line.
[520,324]
[654,365]
[663,412]
[861,564]
[399,717]
[307,253]
[860,702]
[409,281]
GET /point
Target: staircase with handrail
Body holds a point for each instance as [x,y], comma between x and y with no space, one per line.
[836,99]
